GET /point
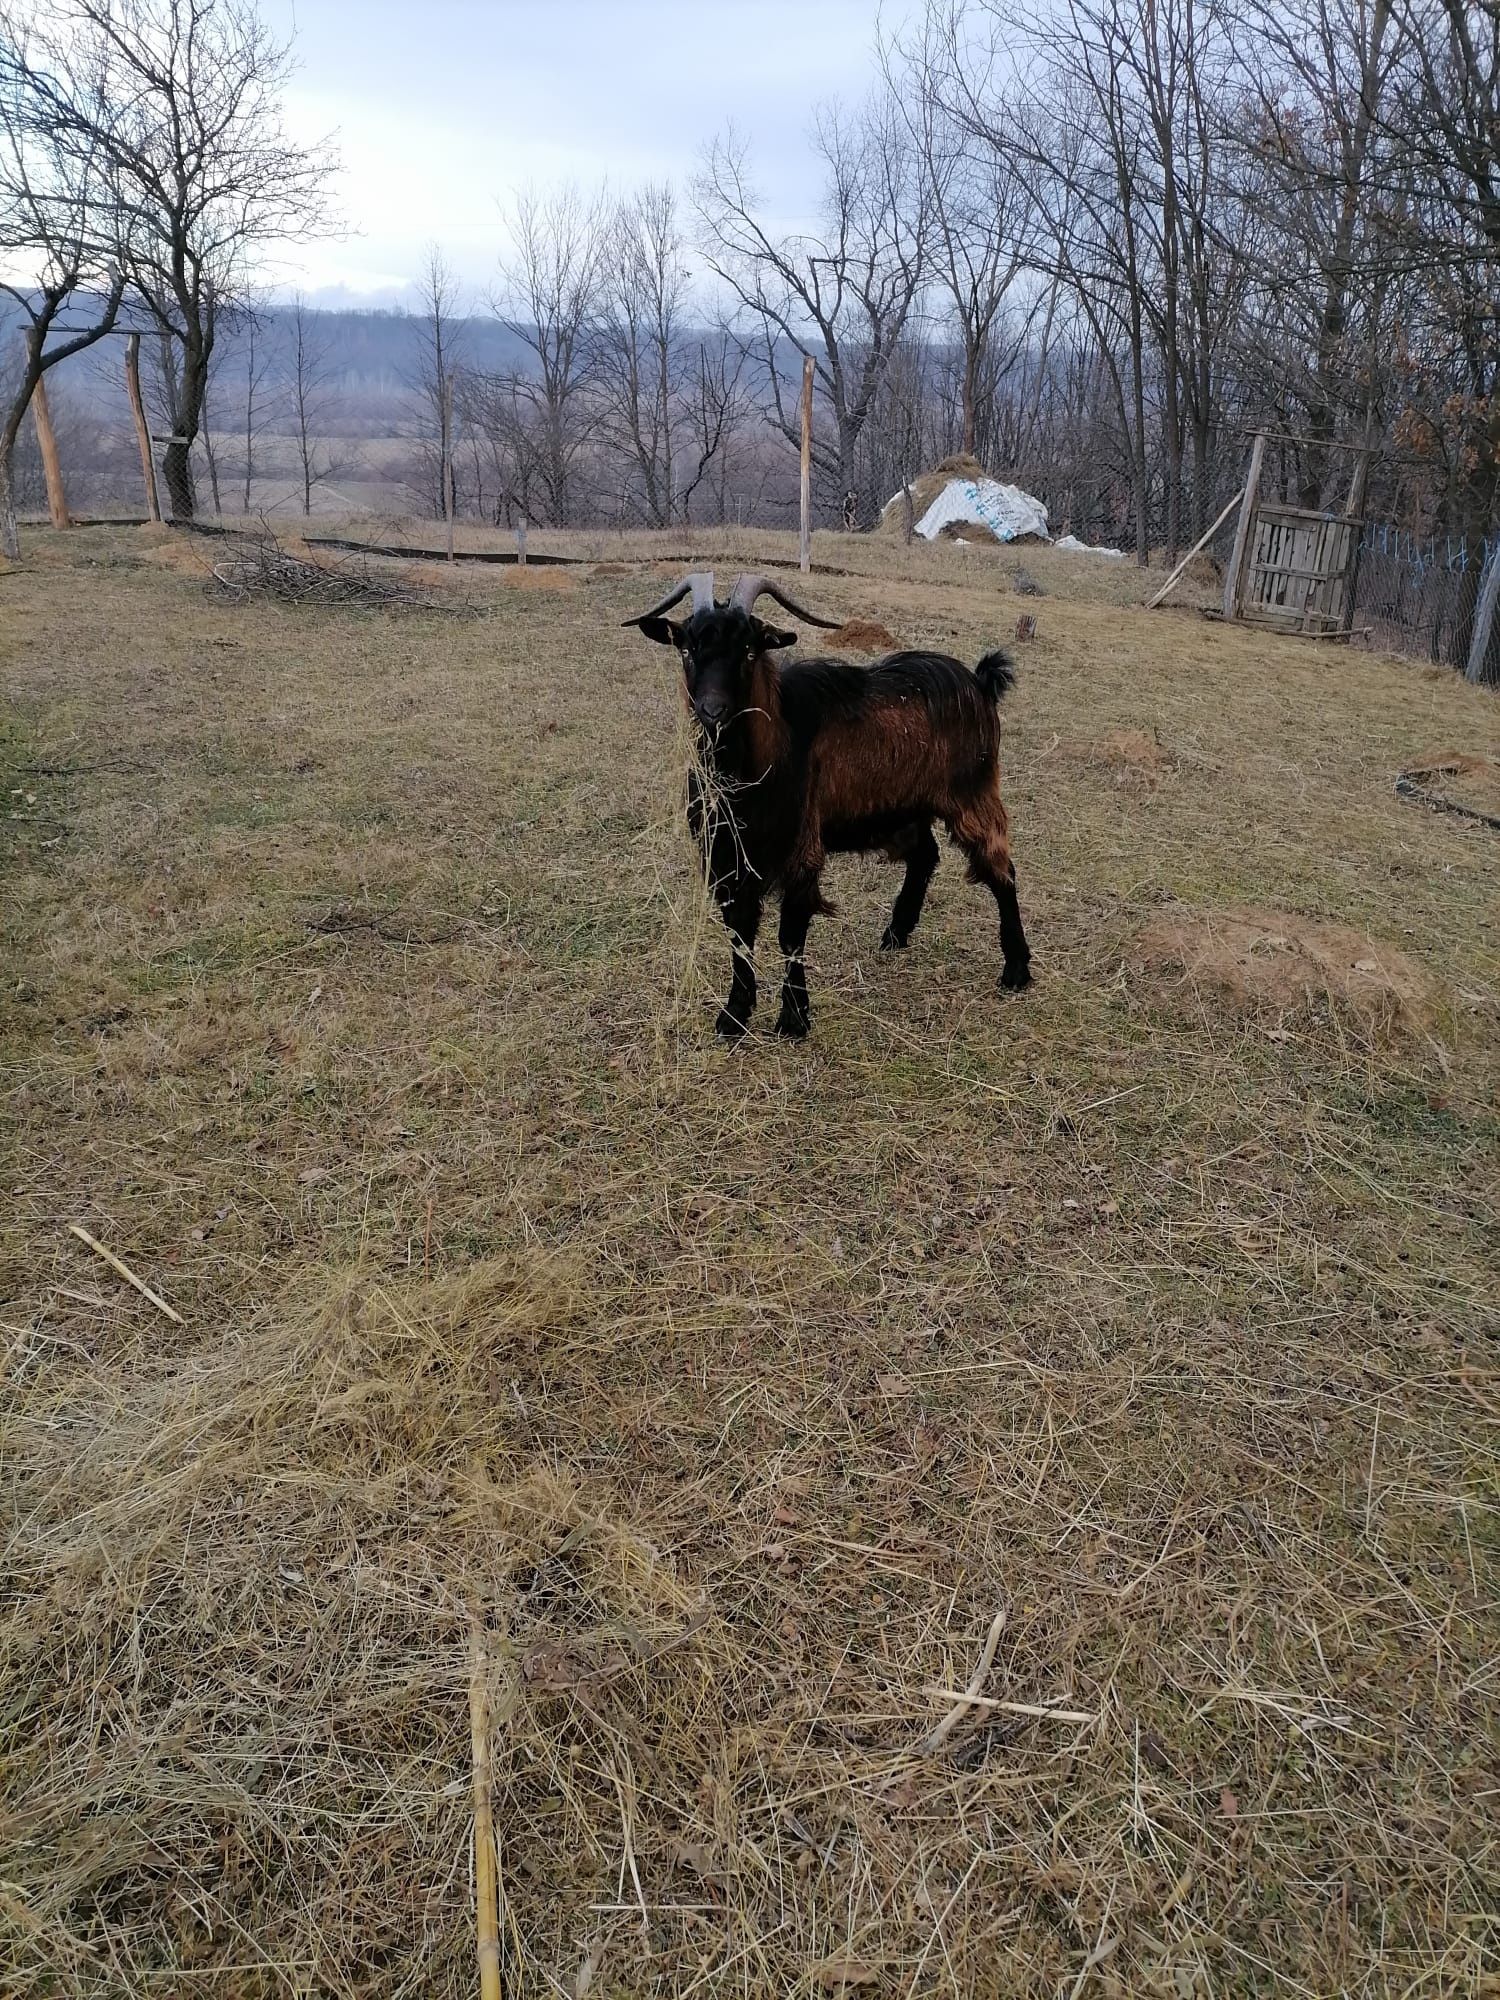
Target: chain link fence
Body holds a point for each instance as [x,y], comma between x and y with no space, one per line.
[1418,596]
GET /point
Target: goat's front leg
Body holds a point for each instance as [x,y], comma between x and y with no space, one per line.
[800,903]
[740,902]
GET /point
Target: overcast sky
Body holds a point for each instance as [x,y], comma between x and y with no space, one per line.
[441,109]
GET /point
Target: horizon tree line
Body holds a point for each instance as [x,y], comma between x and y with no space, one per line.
[1092,244]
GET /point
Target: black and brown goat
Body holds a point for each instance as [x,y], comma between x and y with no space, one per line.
[822,757]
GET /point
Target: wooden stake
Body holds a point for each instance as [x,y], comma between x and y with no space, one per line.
[448,462]
[143,436]
[125,1272]
[805,550]
[486,1872]
[1202,543]
[46,437]
[521,544]
[1234,576]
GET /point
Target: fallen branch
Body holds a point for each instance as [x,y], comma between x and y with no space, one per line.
[1201,543]
[962,1703]
[125,1272]
[1408,786]
[258,566]
[970,1700]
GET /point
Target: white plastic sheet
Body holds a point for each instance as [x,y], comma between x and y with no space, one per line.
[1073,547]
[1005,510]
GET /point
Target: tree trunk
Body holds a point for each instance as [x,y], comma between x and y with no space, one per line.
[46,438]
[10,539]
[187,419]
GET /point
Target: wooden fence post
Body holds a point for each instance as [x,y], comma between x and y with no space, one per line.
[1481,670]
[1234,576]
[447,467]
[521,541]
[805,551]
[46,437]
[143,436]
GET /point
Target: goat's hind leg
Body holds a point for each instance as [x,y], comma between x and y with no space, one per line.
[919,851]
[982,833]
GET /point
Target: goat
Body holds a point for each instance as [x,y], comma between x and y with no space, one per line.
[820,757]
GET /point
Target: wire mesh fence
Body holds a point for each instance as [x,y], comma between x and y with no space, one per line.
[1417,595]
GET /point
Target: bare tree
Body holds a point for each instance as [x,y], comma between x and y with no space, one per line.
[437,383]
[843,296]
[256,377]
[61,263]
[1447,142]
[309,393]
[637,344]
[549,299]
[715,410]
[1314,82]
[188,118]
[981,223]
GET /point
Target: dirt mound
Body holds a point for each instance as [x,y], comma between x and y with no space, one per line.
[1130,754]
[526,576]
[861,635]
[613,569]
[1274,960]
[1129,750]
[184,555]
[925,489]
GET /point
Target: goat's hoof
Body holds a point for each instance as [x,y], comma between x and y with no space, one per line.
[891,940]
[1016,975]
[730,1026]
[793,1023]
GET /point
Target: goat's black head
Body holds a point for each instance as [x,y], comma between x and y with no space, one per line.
[719,643]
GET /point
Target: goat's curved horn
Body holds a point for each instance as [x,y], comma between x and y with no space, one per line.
[753,585]
[700,583]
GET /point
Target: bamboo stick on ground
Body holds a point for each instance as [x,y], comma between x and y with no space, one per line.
[486,1875]
[125,1272]
[963,1702]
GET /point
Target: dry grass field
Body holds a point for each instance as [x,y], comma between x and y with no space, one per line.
[1137,1330]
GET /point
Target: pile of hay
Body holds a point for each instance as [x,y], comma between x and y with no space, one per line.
[925,490]
[1274,961]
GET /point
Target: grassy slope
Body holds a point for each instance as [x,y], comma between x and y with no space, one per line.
[357,991]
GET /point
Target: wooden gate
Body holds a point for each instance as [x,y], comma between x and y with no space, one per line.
[1300,572]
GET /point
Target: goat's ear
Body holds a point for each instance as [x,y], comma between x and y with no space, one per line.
[662,630]
[768,638]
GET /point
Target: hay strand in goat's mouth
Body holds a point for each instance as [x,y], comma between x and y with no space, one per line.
[486,1882]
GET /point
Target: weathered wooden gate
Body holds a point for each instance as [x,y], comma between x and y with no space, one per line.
[1300,572]
[1294,568]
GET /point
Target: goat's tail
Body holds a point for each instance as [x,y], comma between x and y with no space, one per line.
[995,674]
